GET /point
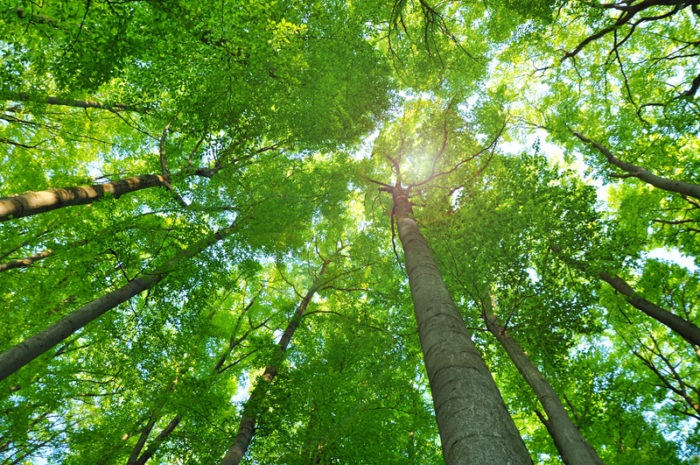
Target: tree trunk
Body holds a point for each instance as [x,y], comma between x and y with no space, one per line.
[170,427]
[19,355]
[32,203]
[684,328]
[246,427]
[141,442]
[572,446]
[474,423]
[671,185]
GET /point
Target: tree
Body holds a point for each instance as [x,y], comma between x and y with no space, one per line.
[543,153]
[468,407]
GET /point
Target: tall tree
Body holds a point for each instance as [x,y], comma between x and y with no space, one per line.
[572,446]
[262,115]
[469,409]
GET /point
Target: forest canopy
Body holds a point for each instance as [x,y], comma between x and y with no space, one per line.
[336,232]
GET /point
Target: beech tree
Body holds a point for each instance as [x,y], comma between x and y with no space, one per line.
[333,232]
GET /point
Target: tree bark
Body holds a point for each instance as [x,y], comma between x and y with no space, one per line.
[474,423]
[24,352]
[143,437]
[572,446]
[246,427]
[24,97]
[26,261]
[684,328]
[151,449]
[32,203]
[671,185]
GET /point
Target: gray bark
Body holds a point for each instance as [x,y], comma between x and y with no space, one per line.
[148,453]
[572,446]
[24,352]
[143,437]
[32,203]
[19,355]
[671,185]
[684,328]
[474,423]
[246,427]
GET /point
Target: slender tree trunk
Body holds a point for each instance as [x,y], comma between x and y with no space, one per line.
[26,261]
[474,423]
[671,185]
[32,203]
[24,97]
[682,327]
[151,449]
[141,442]
[136,457]
[572,446]
[246,427]
[19,355]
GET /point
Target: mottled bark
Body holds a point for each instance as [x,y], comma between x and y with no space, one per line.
[32,203]
[474,423]
[24,352]
[246,427]
[671,185]
[24,97]
[572,446]
[26,261]
[684,328]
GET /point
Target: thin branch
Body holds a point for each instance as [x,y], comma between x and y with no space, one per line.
[25,97]
[17,144]
[491,145]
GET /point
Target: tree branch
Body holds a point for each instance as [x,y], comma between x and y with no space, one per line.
[671,185]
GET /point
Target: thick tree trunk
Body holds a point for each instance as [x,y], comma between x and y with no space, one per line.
[671,185]
[474,423]
[246,427]
[684,328]
[32,203]
[19,355]
[572,446]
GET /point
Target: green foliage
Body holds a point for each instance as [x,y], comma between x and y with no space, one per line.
[276,103]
